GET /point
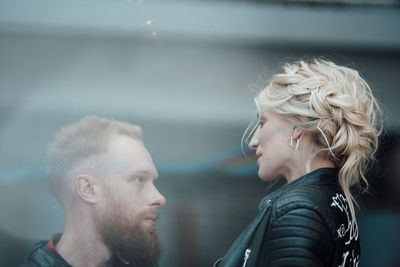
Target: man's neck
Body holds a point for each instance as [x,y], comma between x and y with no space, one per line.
[81,246]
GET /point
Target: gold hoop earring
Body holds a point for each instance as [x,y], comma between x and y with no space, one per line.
[291,142]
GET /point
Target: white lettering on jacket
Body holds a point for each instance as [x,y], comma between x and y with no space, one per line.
[340,202]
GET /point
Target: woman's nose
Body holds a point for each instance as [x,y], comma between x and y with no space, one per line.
[253,143]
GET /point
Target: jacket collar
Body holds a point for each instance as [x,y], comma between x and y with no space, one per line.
[322,176]
[318,176]
[40,254]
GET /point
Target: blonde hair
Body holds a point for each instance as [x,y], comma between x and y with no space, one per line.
[337,107]
[76,147]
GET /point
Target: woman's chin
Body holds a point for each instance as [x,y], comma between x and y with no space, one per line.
[264,176]
[267,176]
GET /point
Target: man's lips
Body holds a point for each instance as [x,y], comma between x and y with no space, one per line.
[152,219]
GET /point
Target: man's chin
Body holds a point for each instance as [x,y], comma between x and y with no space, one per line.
[146,255]
[138,244]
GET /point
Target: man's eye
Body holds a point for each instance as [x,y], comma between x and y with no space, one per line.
[261,123]
[139,180]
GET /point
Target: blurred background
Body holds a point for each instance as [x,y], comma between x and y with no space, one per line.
[187,72]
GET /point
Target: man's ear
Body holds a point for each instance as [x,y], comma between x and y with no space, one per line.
[85,186]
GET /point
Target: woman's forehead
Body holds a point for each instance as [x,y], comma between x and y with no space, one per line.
[265,113]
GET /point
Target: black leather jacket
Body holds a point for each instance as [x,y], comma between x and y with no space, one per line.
[41,256]
[305,223]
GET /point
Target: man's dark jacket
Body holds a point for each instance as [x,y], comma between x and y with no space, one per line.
[305,223]
[41,256]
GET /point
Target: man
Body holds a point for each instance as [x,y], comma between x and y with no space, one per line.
[103,177]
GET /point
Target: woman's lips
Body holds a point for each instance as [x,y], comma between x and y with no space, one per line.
[258,158]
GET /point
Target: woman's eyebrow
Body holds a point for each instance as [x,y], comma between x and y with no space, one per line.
[262,116]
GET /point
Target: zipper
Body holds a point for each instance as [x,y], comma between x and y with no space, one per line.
[246,256]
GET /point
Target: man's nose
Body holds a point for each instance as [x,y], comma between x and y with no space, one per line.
[158,199]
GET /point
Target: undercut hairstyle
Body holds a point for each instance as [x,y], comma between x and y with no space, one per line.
[76,147]
[337,107]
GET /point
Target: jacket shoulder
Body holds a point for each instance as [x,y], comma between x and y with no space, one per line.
[302,196]
[40,256]
[300,227]
[308,197]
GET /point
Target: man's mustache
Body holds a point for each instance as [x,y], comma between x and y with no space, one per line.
[152,214]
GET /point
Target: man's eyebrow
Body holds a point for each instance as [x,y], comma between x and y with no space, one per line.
[145,173]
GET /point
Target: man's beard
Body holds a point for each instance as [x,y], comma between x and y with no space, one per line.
[130,240]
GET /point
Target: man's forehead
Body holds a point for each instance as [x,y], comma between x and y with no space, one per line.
[128,154]
[119,141]
[125,167]
[121,146]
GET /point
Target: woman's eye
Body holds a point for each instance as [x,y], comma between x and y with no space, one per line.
[261,123]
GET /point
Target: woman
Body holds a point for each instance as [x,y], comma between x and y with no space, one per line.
[318,128]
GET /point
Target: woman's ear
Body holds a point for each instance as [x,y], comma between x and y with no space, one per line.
[85,187]
[297,133]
